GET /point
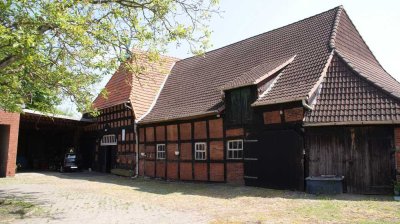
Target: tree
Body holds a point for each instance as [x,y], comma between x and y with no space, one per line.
[52,49]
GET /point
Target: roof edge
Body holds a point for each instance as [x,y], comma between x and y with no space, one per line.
[263,77]
[255,104]
[57,116]
[189,117]
[345,123]
[355,70]
[314,90]
[157,96]
[335,27]
[341,10]
[273,71]
[257,35]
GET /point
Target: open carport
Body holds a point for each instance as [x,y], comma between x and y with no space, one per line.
[44,139]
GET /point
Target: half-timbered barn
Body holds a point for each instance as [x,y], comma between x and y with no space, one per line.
[129,94]
[306,99]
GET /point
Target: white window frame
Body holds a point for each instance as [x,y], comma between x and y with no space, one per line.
[198,151]
[108,140]
[233,149]
[161,151]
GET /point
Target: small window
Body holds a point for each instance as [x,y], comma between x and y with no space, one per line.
[200,151]
[160,151]
[108,140]
[235,149]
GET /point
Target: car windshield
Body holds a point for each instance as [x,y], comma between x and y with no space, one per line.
[70,157]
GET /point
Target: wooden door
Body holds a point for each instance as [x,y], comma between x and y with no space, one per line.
[363,155]
[277,160]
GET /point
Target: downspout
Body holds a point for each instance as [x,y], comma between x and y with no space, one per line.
[136,150]
[305,105]
[136,144]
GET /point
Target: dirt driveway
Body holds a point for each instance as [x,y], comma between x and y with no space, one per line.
[100,198]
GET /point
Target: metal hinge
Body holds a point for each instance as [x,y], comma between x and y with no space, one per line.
[250,177]
[250,140]
[250,158]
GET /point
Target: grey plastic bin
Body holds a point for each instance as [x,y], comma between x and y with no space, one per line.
[326,184]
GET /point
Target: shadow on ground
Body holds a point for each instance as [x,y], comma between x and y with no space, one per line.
[215,190]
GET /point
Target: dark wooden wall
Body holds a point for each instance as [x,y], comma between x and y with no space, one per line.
[363,155]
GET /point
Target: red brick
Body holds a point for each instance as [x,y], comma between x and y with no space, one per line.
[172,132]
[294,114]
[272,117]
[186,151]
[150,152]
[185,131]
[216,128]
[141,149]
[234,173]
[171,148]
[141,134]
[216,150]
[160,171]
[200,171]
[160,133]
[11,120]
[141,167]
[200,131]
[185,171]
[149,168]
[234,132]
[172,170]
[398,161]
[217,172]
[150,134]
[397,137]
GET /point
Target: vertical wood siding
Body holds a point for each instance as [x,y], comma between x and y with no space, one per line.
[363,155]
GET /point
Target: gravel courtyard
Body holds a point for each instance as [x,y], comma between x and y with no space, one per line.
[102,198]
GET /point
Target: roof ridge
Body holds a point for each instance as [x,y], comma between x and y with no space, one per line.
[334,31]
[270,31]
[335,27]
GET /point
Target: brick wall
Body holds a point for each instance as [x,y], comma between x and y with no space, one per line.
[397,145]
[272,117]
[235,173]
[182,137]
[11,120]
[294,114]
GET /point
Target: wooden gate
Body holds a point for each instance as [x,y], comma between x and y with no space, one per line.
[363,155]
[274,158]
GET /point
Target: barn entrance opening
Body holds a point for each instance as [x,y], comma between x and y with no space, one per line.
[274,159]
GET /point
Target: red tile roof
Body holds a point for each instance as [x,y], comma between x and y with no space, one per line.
[258,73]
[140,88]
[346,97]
[194,85]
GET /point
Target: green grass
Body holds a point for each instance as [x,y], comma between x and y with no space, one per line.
[11,209]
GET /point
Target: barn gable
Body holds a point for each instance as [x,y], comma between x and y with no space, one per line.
[139,87]
[347,98]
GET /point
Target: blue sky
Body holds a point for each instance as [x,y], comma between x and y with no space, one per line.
[377,21]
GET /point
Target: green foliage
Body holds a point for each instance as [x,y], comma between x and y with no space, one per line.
[51,50]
